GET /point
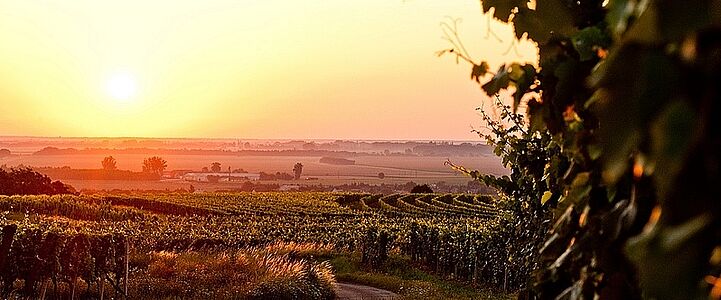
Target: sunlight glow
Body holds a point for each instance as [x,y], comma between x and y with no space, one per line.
[254,69]
[121,86]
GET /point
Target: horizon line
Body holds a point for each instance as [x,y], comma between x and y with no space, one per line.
[240,138]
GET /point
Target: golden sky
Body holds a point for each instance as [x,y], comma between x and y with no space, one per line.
[242,68]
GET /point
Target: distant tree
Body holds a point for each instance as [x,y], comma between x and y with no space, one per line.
[215,167]
[205,170]
[298,170]
[109,163]
[154,165]
[5,152]
[381,175]
[309,146]
[421,189]
[191,189]
[409,185]
[25,181]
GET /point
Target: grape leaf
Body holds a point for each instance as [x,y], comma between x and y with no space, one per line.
[588,40]
[500,81]
[479,71]
[523,81]
[551,17]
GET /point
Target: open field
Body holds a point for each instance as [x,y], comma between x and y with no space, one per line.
[397,170]
[215,226]
[175,184]
[365,165]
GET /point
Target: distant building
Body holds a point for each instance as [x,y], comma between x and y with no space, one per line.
[289,187]
[176,174]
[204,176]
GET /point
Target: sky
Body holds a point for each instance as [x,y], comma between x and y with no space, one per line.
[350,69]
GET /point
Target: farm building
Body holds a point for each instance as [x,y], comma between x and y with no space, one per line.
[210,176]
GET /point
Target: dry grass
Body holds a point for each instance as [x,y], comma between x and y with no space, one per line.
[258,273]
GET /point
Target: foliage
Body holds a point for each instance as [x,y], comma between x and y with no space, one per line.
[624,94]
[452,235]
[422,189]
[25,181]
[297,170]
[109,163]
[39,255]
[215,167]
[254,273]
[154,165]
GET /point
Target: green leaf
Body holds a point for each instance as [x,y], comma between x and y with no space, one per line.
[619,12]
[579,188]
[672,135]
[581,179]
[569,81]
[551,17]
[524,79]
[546,196]
[498,82]
[479,71]
[671,260]
[588,40]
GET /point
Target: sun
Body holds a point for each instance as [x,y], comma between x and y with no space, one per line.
[121,86]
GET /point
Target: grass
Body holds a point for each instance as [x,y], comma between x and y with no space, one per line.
[399,275]
[258,273]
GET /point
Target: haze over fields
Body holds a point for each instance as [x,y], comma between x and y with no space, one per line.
[249,69]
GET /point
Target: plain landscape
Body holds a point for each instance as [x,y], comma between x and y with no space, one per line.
[360,149]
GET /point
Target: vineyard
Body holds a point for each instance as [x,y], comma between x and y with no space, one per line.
[88,239]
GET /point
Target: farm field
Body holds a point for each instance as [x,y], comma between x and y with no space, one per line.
[445,232]
[404,166]
[175,184]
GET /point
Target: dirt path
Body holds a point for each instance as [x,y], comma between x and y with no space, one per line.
[347,291]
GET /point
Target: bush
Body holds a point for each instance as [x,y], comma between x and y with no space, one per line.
[25,181]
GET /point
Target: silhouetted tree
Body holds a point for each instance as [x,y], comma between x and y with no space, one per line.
[109,163]
[215,167]
[298,170]
[155,165]
[25,181]
[422,189]
[5,152]
[381,175]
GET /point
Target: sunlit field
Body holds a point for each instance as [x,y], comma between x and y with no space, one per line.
[360,149]
[166,234]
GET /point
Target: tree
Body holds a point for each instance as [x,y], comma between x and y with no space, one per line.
[297,170]
[215,167]
[622,107]
[381,175]
[422,189]
[155,165]
[25,181]
[109,163]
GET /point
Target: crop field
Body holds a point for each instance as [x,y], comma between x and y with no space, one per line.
[445,231]
[365,165]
